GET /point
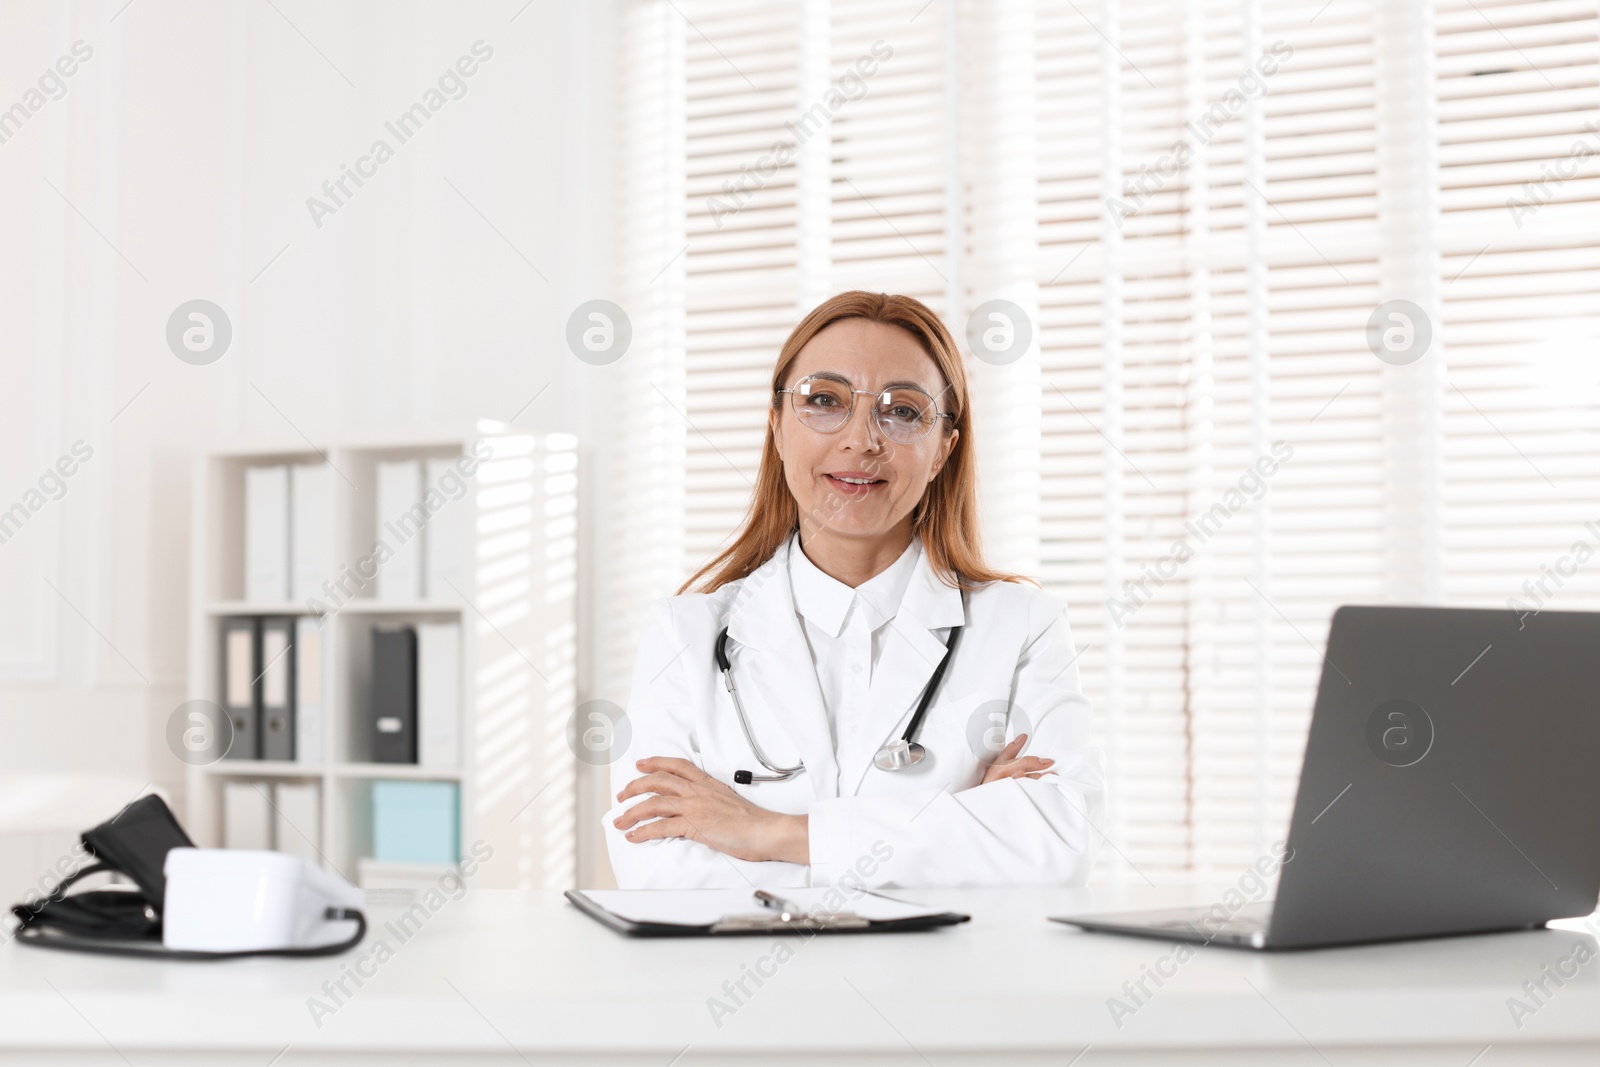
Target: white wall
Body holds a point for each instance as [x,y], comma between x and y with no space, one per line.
[189,142]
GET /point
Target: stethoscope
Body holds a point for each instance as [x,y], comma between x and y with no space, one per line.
[897,755]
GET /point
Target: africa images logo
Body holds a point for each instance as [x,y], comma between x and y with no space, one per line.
[1399,732]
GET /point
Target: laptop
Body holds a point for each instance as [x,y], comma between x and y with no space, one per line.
[1451,785]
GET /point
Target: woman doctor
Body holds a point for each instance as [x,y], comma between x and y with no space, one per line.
[857,562]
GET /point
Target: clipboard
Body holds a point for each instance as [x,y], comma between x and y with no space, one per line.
[757,921]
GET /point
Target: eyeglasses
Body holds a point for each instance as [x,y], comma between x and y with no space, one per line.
[825,402]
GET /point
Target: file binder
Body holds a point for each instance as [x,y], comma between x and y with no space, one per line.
[416,822]
[311,689]
[439,694]
[401,525]
[310,530]
[241,689]
[394,695]
[449,531]
[246,815]
[277,689]
[718,912]
[297,819]
[266,534]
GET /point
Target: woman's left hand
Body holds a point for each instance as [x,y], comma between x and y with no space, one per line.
[1009,765]
[692,804]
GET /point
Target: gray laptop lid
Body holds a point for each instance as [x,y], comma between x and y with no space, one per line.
[1451,780]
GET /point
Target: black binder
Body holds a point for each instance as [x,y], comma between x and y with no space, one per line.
[394,695]
[759,922]
[239,682]
[277,689]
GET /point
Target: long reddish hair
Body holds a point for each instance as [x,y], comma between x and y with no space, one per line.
[946,517]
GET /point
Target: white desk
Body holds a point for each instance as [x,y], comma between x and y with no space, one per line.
[499,969]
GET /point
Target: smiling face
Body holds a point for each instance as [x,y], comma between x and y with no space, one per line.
[856,483]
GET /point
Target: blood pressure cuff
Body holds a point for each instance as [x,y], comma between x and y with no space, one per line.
[133,843]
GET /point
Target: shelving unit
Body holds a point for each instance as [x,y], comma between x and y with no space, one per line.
[515,599]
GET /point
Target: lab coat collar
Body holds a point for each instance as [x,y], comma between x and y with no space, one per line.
[820,598]
[927,599]
[826,602]
[762,602]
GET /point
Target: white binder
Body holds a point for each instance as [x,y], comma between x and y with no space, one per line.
[246,815]
[310,520]
[266,534]
[402,526]
[439,694]
[447,532]
[311,690]
[297,817]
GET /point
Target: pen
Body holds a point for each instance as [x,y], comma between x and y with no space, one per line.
[788,910]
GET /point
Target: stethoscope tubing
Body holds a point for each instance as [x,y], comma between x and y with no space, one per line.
[933,685]
[783,774]
[779,774]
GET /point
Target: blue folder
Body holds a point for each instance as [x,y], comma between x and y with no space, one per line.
[416,822]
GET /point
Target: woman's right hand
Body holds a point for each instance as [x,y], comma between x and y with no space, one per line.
[1008,765]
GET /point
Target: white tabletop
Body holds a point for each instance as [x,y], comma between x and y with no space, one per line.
[524,977]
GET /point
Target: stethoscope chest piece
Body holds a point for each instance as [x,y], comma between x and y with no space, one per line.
[899,754]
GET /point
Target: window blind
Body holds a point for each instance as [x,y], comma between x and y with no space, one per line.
[805,175]
[1209,256]
[1518,100]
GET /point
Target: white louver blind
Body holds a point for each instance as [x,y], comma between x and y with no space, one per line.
[1195,306]
[1111,365]
[887,186]
[1171,368]
[641,481]
[804,176]
[1289,296]
[1518,103]
[743,239]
